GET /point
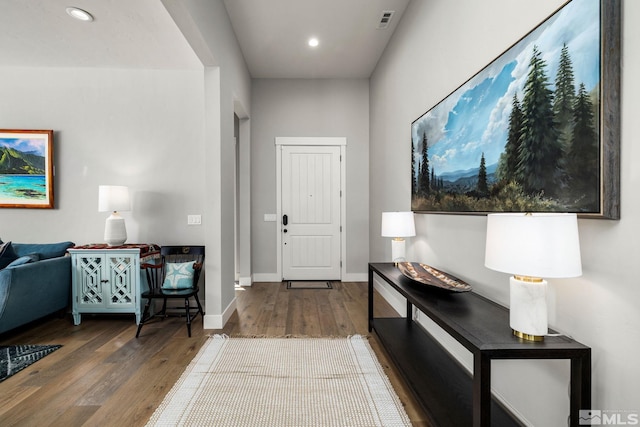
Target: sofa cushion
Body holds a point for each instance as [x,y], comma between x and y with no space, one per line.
[45,250]
[24,260]
[7,254]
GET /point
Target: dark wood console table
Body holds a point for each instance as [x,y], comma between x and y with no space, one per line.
[446,391]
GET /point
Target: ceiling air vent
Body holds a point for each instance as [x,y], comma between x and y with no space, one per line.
[385,19]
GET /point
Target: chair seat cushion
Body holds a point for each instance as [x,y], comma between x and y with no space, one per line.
[169,293]
[179,276]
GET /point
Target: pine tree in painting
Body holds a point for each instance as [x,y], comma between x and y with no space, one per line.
[432,181]
[540,151]
[582,157]
[509,162]
[424,170]
[414,182]
[565,95]
[483,186]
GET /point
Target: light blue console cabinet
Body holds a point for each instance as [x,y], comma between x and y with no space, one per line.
[108,279]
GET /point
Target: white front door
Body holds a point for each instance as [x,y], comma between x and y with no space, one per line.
[310,222]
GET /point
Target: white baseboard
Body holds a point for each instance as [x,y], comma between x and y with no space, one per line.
[266,277]
[273,277]
[245,281]
[355,277]
[217,321]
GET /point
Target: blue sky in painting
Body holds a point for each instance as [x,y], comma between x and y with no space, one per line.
[474,119]
[26,145]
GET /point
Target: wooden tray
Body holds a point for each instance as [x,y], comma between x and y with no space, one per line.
[427,275]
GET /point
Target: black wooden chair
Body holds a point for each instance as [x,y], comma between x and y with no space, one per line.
[174,277]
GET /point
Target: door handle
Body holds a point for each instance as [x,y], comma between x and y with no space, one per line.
[285,220]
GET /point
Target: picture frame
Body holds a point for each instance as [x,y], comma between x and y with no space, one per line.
[26,169]
[536,130]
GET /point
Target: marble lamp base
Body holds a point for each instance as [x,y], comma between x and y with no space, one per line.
[528,308]
[398,250]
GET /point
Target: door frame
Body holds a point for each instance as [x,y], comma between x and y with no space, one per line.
[311,141]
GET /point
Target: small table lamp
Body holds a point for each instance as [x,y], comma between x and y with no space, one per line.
[114,198]
[398,225]
[532,246]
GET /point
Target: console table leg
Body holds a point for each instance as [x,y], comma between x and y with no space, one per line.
[580,397]
[481,390]
[370,299]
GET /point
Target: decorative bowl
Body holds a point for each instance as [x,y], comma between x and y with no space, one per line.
[427,275]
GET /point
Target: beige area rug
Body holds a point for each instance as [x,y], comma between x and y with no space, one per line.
[272,382]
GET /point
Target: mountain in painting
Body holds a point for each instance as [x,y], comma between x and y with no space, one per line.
[14,162]
[467,173]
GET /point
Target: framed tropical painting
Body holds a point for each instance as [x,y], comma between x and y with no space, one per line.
[536,130]
[26,168]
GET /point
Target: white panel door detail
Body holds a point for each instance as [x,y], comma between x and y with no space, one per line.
[311,211]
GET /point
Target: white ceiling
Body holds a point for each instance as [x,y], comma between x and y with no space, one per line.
[125,33]
[272,34]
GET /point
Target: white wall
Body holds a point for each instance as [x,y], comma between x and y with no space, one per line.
[206,26]
[167,134]
[440,44]
[138,128]
[300,107]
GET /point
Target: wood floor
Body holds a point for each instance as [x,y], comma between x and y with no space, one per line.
[104,376]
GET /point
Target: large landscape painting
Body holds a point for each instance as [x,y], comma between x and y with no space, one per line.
[26,162]
[524,134]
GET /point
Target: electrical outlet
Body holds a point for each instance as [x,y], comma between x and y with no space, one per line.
[194,219]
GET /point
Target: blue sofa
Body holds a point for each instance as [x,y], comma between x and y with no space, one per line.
[35,281]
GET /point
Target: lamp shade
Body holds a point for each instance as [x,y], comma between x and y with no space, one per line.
[398,224]
[543,245]
[112,198]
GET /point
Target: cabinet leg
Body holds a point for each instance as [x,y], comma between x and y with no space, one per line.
[76,319]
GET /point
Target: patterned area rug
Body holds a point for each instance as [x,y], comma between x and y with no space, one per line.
[15,358]
[282,382]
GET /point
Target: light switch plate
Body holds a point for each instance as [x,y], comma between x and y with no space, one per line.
[270,218]
[194,219]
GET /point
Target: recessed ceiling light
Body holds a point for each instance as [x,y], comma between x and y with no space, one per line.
[313,42]
[79,14]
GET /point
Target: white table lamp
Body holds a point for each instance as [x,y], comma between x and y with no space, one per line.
[532,246]
[398,225]
[114,198]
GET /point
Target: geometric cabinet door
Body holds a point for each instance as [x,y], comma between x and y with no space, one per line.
[120,270]
[106,281]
